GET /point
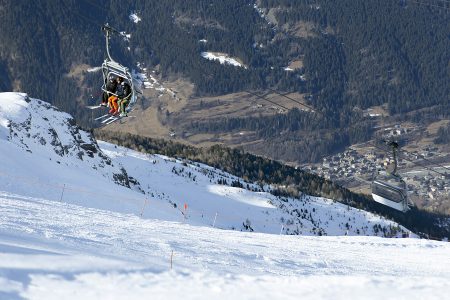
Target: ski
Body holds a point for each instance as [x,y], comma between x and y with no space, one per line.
[115,118]
[108,119]
[94,106]
[101,117]
[112,120]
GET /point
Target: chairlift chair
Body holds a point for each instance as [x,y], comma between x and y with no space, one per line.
[390,189]
[111,68]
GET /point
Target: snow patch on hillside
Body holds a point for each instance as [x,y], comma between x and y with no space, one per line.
[94,69]
[208,195]
[12,109]
[135,18]
[223,58]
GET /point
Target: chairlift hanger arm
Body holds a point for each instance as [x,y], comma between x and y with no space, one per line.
[108,30]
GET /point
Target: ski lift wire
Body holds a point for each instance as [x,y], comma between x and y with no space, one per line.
[95,5]
[430,5]
[404,151]
[292,99]
[331,118]
[412,161]
[261,97]
[87,19]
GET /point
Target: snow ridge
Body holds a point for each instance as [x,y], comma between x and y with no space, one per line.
[41,129]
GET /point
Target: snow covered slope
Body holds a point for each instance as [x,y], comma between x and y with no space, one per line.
[77,215]
[50,157]
[52,250]
[46,133]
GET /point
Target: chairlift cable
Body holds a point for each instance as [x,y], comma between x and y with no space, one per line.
[331,118]
[261,97]
[411,161]
[95,5]
[430,5]
[87,18]
[428,160]
[294,100]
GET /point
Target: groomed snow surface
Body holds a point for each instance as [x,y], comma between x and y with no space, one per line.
[68,231]
[52,250]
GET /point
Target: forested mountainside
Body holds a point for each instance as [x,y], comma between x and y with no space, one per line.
[342,56]
[350,52]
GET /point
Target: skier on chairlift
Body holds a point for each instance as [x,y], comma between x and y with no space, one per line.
[121,93]
[111,87]
[124,98]
[112,100]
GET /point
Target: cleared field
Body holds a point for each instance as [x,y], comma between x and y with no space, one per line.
[162,114]
[434,127]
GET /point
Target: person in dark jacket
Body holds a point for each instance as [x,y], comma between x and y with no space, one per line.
[124,98]
[111,86]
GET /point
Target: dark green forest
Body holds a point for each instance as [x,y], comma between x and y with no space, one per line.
[355,54]
[361,53]
[373,52]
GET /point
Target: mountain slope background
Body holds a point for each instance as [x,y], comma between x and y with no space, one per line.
[338,58]
[352,52]
[341,56]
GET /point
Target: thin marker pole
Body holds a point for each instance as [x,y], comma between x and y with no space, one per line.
[215,218]
[62,193]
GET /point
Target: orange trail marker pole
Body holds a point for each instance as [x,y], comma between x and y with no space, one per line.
[185,211]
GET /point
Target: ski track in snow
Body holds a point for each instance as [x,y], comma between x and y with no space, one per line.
[68,248]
